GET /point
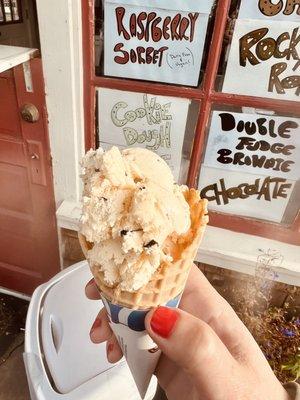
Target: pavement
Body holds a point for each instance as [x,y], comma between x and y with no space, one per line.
[13,382]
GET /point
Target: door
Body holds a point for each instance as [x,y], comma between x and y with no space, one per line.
[28,236]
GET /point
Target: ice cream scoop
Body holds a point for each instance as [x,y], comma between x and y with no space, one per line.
[132,208]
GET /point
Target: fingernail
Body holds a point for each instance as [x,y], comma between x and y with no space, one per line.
[110,348]
[163,321]
[97,323]
[91,282]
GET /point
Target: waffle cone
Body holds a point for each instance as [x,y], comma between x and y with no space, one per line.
[169,280]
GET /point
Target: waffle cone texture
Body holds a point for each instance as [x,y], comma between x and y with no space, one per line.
[170,278]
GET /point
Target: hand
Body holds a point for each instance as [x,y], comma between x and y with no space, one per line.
[207,351]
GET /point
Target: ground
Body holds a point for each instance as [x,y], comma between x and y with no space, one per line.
[13,383]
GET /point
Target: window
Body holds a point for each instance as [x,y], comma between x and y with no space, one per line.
[10,12]
[217,98]
[165,43]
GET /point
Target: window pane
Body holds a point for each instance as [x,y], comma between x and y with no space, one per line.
[15,10]
[7,11]
[1,14]
[251,165]
[145,42]
[165,125]
[263,50]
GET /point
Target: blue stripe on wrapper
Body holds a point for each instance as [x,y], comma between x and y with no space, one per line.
[134,319]
[174,302]
[114,312]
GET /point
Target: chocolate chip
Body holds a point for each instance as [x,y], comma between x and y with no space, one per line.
[103,198]
[150,244]
[125,231]
[97,170]
[142,187]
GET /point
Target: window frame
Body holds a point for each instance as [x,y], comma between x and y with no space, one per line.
[208,97]
[18,21]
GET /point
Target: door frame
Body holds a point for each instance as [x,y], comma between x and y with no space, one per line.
[63,75]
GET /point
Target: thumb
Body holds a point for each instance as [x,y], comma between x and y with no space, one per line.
[190,343]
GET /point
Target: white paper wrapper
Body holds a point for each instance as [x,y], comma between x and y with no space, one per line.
[140,351]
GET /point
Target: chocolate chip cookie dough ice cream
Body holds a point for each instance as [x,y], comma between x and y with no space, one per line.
[138,227]
[131,205]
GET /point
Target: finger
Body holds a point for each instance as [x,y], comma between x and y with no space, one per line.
[203,301]
[100,331]
[113,350]
[91,290]
[167,373]
[192,345]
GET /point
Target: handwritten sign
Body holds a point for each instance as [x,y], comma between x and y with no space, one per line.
[264,58]
[281,10]
[251,164]
[158,41]
[260,197]
[157,123]
[256,144]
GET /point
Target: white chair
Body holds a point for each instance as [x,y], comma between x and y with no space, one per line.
[61,362]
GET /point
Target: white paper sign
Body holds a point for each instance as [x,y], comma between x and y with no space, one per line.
[159,41]
[282,10]
[264,59]
[128,119]
[255,144]
[244,194]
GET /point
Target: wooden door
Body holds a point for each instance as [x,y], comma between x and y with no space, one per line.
[28,236]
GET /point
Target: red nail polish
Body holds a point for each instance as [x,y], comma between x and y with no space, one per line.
[97,323]
[163,321]
[110,348]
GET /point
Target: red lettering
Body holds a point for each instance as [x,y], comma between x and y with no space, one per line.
[120,12]
[141,17]
[155,31]
[119,59]
[184,24]
[132,25]
[150,18]
[174,26]
[193,19]
[166,28]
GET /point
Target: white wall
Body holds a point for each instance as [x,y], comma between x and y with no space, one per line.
[61,46]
